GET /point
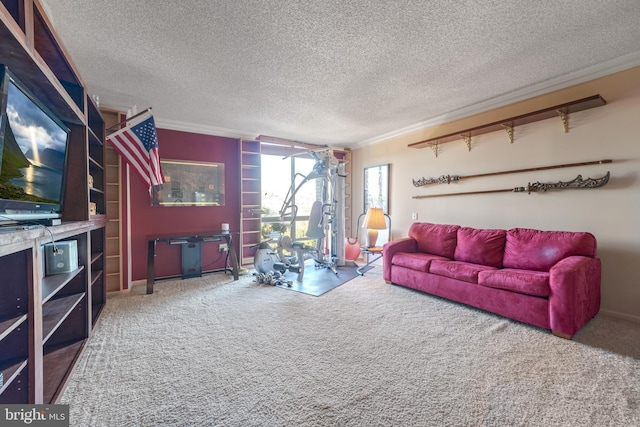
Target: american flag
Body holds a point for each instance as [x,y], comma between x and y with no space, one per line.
[138,146]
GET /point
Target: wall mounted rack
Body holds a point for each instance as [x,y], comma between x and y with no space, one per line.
[508,124]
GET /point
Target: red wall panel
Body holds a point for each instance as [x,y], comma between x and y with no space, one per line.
[147,219]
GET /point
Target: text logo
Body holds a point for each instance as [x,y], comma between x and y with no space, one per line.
[34,415]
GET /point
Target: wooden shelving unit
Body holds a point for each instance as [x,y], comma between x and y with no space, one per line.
[45,321]
[114,280]
[15,385]
[561,111]
[250,199]
[56,311]
[98,290]
[16,321]
[96,137]
[58,360]
[51,285]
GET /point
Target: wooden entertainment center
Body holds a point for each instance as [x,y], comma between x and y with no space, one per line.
[45,321]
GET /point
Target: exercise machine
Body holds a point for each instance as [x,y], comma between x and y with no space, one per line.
[270,264]
[326,222]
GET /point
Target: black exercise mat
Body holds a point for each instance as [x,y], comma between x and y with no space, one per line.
[317,281]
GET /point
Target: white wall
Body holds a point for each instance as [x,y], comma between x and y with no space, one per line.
[611,213]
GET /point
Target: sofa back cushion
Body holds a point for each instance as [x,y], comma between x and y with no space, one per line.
[537,250]
[484,247]
[435,239]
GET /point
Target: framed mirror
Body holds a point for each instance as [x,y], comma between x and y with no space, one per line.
[189,183]
[376,187]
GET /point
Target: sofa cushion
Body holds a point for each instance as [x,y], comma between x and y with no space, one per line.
[415,260]
[435,239]
[458,270]
[480,246]
[522,281]
[529,249]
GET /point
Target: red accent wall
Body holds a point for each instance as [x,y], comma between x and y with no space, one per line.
[147,219]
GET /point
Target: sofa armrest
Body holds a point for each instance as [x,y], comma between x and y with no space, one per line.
[391,248]
[575,293]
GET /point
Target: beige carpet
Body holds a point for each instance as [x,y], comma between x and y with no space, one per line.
[212,352]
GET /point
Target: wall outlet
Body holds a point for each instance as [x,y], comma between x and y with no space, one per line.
[223,247]
[414,216]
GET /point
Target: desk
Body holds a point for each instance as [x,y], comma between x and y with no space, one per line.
[368,252]
[184,238]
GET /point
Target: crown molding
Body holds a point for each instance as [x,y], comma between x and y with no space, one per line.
[561,82]
[202,129]
[184,126]
[127,110]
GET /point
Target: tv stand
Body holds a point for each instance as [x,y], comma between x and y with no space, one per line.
[19,225]
[49,222]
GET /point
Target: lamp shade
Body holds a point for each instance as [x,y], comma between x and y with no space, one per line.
[374,220]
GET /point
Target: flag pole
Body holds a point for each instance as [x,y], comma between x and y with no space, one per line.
[127,119]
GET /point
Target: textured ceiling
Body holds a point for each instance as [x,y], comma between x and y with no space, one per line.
[340,72]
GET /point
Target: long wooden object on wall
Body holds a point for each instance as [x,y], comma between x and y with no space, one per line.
[536,187]
[562,111]
[448,179]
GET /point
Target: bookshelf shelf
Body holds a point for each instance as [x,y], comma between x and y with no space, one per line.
[45,321]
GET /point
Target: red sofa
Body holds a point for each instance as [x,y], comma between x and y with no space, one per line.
[549,279]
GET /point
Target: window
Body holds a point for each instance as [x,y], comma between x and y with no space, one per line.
[376,187]
[277,175]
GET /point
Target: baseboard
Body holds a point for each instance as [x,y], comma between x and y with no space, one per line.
[138,282]
[617,315]
[120,291]
[143,282]
[123,291]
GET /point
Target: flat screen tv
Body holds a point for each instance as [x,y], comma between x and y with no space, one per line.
[33,150]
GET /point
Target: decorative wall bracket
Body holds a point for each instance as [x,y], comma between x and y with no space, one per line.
[565,120]
[467,140]
[509,128]
[435,147]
